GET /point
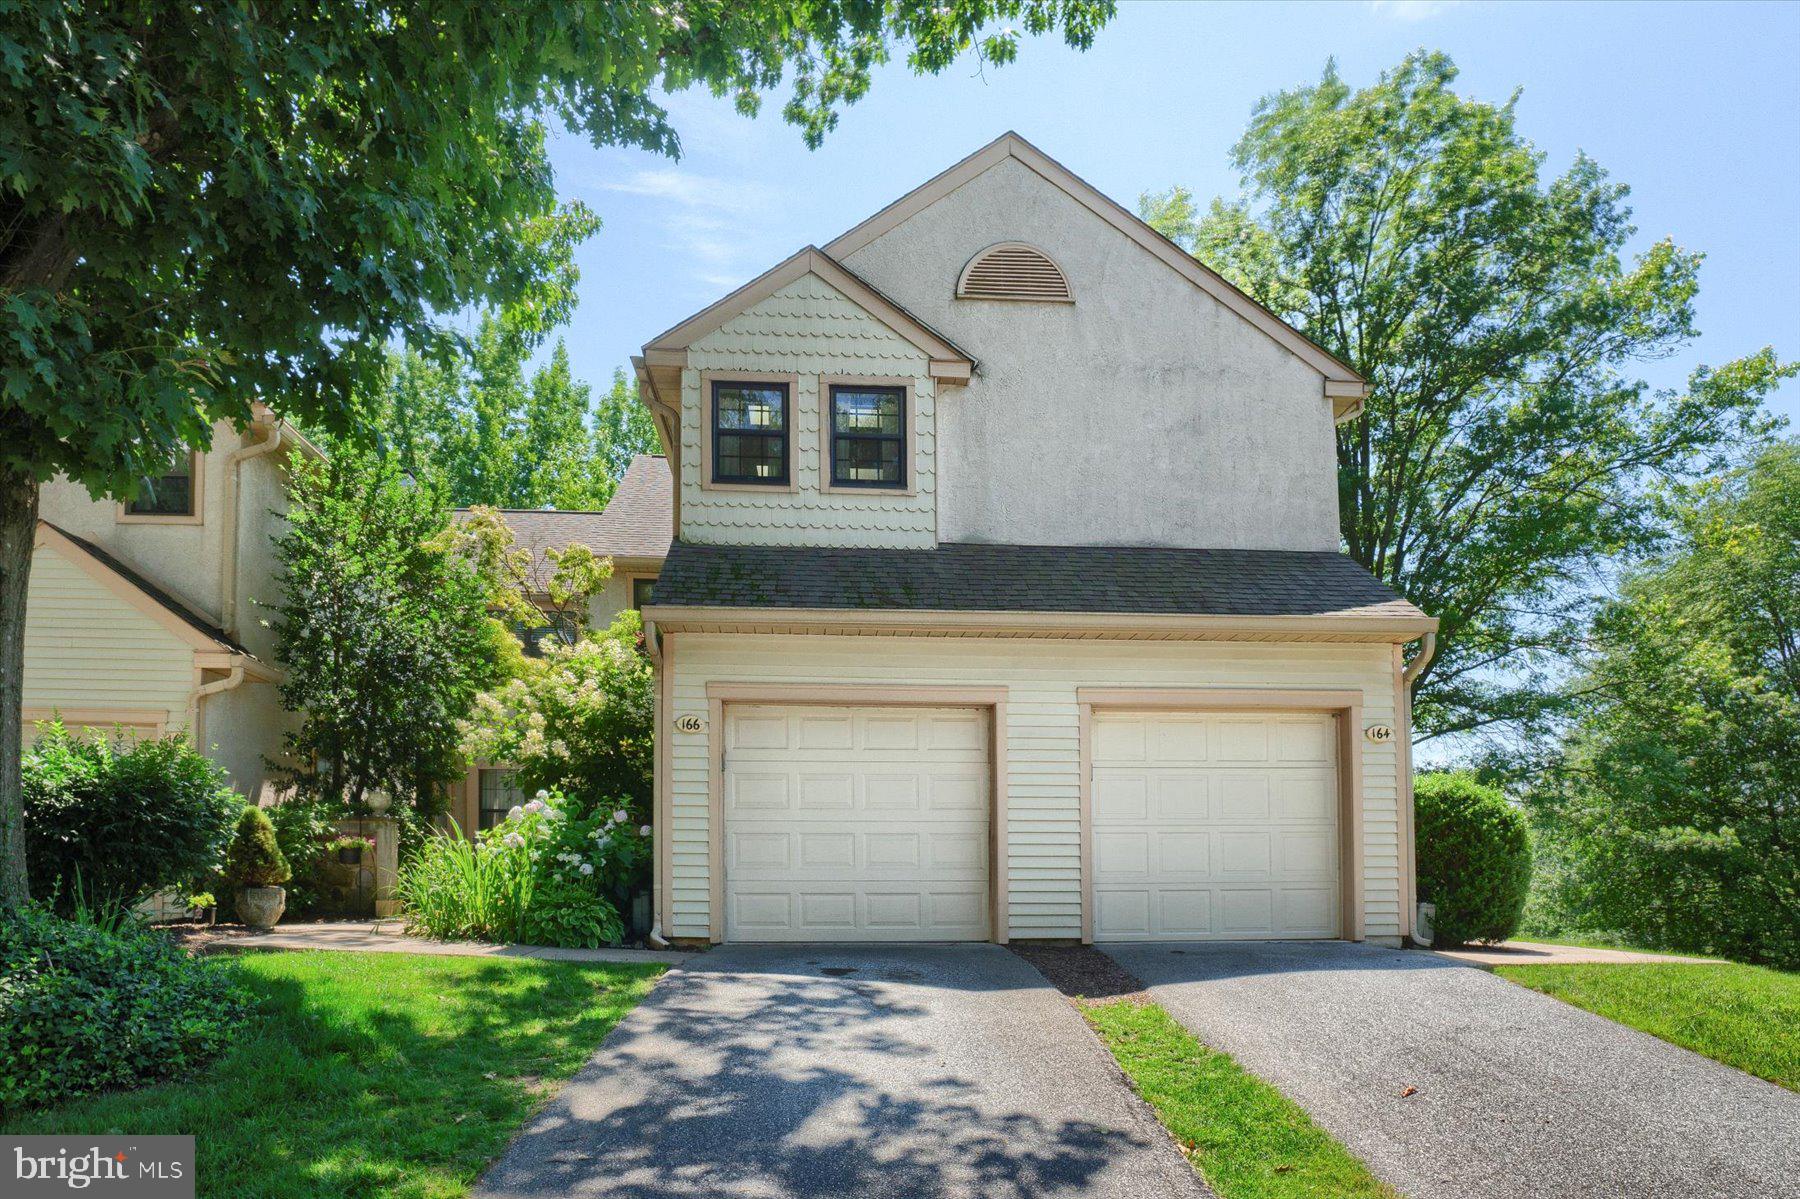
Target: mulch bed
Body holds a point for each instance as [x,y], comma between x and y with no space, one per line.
[1083,973]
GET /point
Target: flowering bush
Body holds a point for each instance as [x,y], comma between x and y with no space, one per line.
[539,877]
[580,720]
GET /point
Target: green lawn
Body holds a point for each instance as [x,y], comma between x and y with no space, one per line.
[1744,1016]
[1247,1140]
[367,1074]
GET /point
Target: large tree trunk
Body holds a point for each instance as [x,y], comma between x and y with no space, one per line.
[18,533]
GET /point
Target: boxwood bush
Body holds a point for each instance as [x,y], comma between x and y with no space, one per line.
[115,823]
[1474,858]
[84,1009]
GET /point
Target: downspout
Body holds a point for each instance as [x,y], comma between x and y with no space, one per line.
[1427,649]
[202,692]
[653,643]
[228,551]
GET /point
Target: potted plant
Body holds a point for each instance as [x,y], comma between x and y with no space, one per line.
[256,866]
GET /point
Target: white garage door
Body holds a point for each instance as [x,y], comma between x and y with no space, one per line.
[856,823]
[1215,825]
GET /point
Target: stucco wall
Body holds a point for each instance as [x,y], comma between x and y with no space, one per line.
[1146,413]
[812,329]
[243,728]
[1043,766]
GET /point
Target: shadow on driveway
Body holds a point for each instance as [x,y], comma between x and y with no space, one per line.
[840,1071]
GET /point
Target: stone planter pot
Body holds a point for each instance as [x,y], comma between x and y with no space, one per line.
[261,907]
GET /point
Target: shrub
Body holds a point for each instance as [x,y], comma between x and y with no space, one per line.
[254,859]
[83,1008]
[539,877]
[1474,856]
[304,827]
[126,820]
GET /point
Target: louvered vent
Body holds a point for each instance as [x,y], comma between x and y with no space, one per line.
[1014,271]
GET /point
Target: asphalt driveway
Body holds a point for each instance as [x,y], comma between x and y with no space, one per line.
[913,1071]
[1518,1094]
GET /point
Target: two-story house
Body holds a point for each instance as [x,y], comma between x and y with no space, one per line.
[143,615]
[1006,598]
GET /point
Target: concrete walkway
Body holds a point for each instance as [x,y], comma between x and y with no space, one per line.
[1452,1083]
[389,936]
[837,1071]
[1534,953]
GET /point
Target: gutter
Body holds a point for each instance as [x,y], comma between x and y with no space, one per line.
[209,689]
[1427,651]
[228,555]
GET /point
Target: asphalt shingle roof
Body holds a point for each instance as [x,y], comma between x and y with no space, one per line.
[130,574]
[638,522]
[966,577]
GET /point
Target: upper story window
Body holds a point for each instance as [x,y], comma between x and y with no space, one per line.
[172,495]
[868,436]
[640,591]
[750,430]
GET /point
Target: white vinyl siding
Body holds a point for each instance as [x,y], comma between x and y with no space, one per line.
[1215,825]
[86,649]
[811,329]
[856,823]
[1042,767]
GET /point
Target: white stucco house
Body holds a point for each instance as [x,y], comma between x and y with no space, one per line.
[145,616]
[1005,599]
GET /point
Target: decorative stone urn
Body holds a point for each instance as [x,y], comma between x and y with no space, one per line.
[261,907]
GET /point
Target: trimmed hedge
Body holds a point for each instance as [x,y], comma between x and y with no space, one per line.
[83,1009]
[254,859]
[1474,858]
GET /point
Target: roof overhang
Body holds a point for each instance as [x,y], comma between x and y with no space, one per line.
[668,351]
[1111,626]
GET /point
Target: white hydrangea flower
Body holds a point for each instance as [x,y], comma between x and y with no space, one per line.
[643,830]
[515,812]
[543,794]
[514,840]
[620,817]
[536,805]
[587,867]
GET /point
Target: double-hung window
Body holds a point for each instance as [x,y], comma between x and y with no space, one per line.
[750,429]
[868,436]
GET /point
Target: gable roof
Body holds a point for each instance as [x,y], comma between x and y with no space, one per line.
[948,361]
[1342,382]
[636,524]
[140,592]
[965,577]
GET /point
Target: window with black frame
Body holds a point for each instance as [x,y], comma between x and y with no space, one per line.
[170,493]
[750,433]
[868,436]
[498,794]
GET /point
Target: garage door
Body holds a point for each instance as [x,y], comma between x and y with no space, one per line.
[856,823]
[1215,825]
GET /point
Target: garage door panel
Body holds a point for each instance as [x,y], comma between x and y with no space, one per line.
[1215,825]
[887,834]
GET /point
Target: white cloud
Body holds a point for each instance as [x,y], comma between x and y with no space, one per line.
[1412,10]
[707,220]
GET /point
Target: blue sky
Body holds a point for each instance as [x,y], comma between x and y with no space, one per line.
[1696,106]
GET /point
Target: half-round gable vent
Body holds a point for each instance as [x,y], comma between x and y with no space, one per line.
[1013,270]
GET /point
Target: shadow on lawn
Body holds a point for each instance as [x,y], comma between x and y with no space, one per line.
[811,1088]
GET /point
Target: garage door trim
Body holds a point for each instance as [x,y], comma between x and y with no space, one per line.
[1344,706]
[718,694]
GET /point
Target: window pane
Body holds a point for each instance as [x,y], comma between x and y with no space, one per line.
[168,494]
[867,411]
[499,794]
[751,456]
[867,460]
[759,408]
[640,592]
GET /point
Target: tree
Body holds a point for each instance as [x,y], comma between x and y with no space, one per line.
[1673,814]
[1503,455]
[383,632]
[203,206]
[518,585]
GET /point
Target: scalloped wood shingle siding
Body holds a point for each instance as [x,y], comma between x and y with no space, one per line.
[1042,772]
[1014,272]
[811,328]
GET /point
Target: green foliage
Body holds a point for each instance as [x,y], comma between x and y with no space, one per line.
[305,825]
[254,859]
[383,632]
[1506,446]
[579,720]
[85,1009]
[1474,858]
[107,825]
[518,586]
[1673,813]
[372,1074]
[540,877]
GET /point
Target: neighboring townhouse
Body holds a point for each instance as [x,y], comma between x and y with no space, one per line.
[1006,598]
[144,615]
[633,531]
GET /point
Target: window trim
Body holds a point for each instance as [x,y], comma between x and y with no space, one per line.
[632,579]
[709,432]
[909,434]
[196,473]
